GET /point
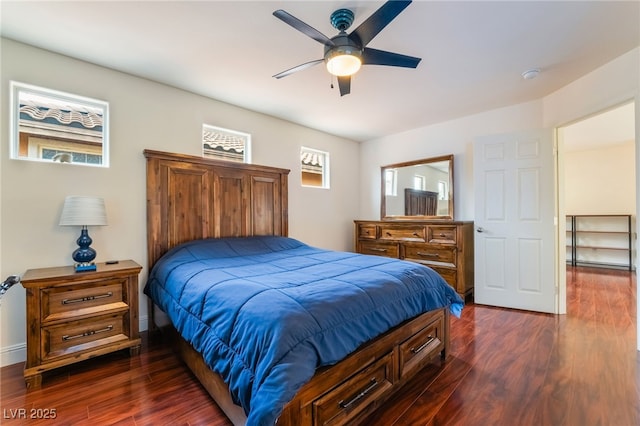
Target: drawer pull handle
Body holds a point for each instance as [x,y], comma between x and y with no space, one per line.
[415,234]
[424,345]
[443,235]
[87,333]
[381,250]
[87,298]
[388,234]
[358,397]
[421,253]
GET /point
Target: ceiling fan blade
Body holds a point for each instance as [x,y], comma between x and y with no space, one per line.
[344,83]
[303,27]
[381,57]
[376,22]
[298,68]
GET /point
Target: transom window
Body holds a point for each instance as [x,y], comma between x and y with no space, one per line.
[315,168]
[225,144]
[48,125]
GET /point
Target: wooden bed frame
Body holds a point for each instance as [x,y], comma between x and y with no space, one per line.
[190,197]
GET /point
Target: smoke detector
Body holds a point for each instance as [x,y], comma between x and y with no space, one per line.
[531,74]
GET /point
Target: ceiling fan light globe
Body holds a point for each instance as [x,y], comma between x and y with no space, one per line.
[343,64]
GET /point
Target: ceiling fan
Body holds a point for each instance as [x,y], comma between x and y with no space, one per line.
[345,53]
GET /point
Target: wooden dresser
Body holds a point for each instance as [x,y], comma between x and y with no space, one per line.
[445,246]
[73,316]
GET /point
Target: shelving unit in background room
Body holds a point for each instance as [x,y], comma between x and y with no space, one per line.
[600,240]
[570,243]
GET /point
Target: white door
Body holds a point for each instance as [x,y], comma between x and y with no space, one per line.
[514,219]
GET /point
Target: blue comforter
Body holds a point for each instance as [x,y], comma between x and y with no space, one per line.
[265,312]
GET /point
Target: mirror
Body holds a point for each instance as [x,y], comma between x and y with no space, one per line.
[421,189]
[52,126]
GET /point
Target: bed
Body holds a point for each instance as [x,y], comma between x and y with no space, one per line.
[277,330]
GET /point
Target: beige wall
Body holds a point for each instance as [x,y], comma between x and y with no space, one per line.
[143,114]
[601,181]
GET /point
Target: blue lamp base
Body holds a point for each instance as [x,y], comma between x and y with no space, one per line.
[84,254]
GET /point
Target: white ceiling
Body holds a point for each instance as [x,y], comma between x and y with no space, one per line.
[473,53]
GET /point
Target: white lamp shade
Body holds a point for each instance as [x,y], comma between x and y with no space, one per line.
[83,211]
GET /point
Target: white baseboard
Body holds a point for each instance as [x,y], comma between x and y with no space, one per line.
[17,353]
[13,354]
[143,323]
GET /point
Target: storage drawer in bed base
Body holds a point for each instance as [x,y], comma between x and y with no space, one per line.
[377,370]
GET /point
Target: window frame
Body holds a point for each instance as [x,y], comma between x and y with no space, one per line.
[443,190]
[391,184]
[56,97]
[325,167]
[246,156]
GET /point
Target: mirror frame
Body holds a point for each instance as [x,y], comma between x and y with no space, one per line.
[383,202]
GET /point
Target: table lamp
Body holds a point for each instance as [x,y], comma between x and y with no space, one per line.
[83,211]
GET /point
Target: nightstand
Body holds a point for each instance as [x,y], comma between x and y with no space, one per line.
[73,316]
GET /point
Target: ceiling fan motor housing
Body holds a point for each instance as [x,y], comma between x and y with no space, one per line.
[343,45]
[342,19]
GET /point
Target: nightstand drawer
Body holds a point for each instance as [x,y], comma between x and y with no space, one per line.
[75,336]
[61,303]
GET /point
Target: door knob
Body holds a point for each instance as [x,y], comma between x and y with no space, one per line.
[480,229]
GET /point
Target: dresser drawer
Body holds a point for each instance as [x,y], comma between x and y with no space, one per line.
[380,249]
[367,232]
[420,348]
[69,302]
[429,254]
[351,398]
[75,336]
[449,275]
[442,234]
[402,233]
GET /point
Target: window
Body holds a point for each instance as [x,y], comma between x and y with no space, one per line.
[443,193]
[315,168]
[225,144]
[52,126]
[390,182]
[418,182]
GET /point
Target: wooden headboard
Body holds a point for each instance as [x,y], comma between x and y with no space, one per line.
[420,203]
[190,197]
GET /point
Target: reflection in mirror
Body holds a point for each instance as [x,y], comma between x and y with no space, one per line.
[52,126]
[421,189]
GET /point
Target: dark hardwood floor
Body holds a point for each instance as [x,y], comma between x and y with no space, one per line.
[506,367]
